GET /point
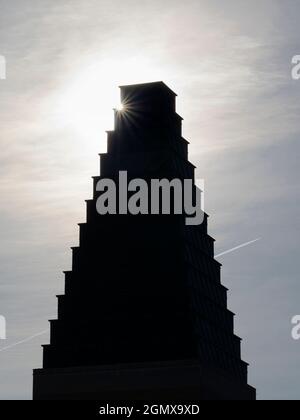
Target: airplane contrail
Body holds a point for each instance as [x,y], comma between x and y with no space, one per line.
[237,247]
[45,331]
[24,341]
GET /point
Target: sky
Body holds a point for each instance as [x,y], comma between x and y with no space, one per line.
[231,68]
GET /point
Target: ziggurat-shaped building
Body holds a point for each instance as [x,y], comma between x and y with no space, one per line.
[144,314]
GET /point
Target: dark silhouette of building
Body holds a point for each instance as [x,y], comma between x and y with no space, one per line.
[144,314]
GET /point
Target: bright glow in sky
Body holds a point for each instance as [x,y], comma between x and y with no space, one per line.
[86,100]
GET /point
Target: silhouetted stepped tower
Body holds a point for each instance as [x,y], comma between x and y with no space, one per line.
[144,314]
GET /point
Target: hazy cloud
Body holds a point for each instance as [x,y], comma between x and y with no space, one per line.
[231,66]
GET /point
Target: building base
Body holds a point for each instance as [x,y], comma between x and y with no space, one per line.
[162,381]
